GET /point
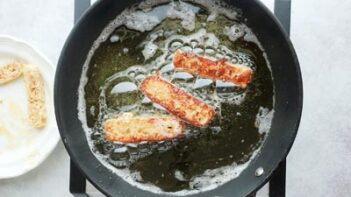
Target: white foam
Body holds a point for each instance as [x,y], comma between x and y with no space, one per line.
[120,150]
[184,12]
[149,50]
[148,5]
[124,87]
[179,175]
[212,40]
[141,21]
[264,120]
[218,7]
[114,39]
[212,17]
[201,36]
[224,84]
[234,32]
[149,17]
[92,110]
[215,177]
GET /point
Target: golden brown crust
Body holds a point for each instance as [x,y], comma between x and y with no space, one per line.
[10,72]
[177,101]
[132,129]
[36,96]
[213,69]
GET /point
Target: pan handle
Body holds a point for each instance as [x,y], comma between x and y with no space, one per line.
[77,182]
[282,9]
[77,185]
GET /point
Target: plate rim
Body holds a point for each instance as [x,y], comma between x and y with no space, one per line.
[51,148]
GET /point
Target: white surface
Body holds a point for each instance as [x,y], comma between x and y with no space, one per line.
[22,147]
[318,164]
[44,24]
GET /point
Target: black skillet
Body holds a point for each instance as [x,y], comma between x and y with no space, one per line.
[288,99]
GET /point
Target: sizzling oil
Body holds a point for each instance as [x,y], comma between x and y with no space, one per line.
[122,61]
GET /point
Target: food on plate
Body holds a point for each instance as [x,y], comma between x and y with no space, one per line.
[214,69]
[177,101]
[10,72]
[36,96]
[128,128]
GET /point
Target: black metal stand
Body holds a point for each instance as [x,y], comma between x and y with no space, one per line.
[277,181]
[77,184]
[277,186]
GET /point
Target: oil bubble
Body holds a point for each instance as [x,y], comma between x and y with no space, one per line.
[176,44]
[167,68]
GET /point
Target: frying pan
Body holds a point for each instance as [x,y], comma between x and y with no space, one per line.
[287,86]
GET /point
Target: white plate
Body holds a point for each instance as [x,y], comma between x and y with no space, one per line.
[23,148]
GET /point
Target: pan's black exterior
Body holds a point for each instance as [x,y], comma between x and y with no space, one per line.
[288,99]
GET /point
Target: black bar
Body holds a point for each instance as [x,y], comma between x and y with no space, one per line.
[282,9]
[277,182]
[79,7]
[77,182]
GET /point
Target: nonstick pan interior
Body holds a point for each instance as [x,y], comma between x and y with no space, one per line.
[288,99]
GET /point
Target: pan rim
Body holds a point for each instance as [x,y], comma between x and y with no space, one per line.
[259,4]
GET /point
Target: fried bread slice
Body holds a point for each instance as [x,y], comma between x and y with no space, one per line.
[211,68]
[35,89]
[128,128]
[177,101]
[10,72]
